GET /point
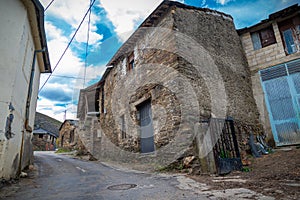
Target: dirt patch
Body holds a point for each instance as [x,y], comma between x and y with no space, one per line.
[276,175]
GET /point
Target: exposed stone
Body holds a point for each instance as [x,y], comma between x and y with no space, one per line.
[188,73]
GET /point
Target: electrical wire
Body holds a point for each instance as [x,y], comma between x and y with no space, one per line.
[73,77]
[68,45]
[87,44]
[48,5]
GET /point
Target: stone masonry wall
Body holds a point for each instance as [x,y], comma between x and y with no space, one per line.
[187,68]
[69,137]
[221,42]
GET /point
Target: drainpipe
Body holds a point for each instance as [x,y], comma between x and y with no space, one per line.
[26,125]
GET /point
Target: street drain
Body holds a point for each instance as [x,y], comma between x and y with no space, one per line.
[122,187]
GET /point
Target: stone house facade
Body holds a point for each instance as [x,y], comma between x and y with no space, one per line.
[88,129]
[67,135]
[24,56]
[272,48]
[164,80]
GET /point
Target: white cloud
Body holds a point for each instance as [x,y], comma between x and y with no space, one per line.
[223,2]
[72,12]
[126,14]
[68,10]
[57,112]
[71,65]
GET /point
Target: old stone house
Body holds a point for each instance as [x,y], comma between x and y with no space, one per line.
[45,133]
[272,48]
[24,56]
[69,137]
[176,70]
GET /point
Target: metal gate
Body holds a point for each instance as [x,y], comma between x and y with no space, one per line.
[226,150]
[147,135]
[281,85]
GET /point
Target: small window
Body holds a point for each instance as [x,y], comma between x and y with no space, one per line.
[290,46]
[256,41]
[130,62]
[41,135]
[263,38]
[290,34]
[123,127]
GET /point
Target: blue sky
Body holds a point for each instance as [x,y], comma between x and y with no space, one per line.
[112,21]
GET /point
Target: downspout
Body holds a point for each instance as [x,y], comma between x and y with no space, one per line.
[26,125]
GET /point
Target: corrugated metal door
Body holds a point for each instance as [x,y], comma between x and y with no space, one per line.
[281,85]
[147,136]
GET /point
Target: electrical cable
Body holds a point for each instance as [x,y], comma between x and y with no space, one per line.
[73,77]
[48,5]
[68,45]
[87,45]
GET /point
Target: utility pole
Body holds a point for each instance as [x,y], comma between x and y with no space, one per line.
[65,117]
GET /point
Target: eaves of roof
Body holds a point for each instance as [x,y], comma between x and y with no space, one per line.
[277,16]
[36,13]
[151,20]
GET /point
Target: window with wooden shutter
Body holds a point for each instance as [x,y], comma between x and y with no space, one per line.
[267,37]
[263,38]
[256,41]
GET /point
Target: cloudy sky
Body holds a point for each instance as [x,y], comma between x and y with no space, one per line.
[111,22]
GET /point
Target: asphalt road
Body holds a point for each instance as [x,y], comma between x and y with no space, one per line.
[62,177]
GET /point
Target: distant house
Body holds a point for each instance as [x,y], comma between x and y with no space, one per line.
[24,56]
[272,48]
[45,133]
[88,114]
[68,137]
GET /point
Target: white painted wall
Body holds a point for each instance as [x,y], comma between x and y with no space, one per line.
[16,55]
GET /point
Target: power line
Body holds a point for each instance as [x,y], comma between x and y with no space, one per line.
[87,44]
[48,5]
[73,77]
[68,45]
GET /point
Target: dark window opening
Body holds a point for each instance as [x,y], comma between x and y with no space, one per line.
[41,135]
[263,38]
[130,62]
[71,139]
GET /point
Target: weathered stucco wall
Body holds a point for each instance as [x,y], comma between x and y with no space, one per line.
[16,50]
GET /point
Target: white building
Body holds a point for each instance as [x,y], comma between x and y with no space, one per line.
[24,56]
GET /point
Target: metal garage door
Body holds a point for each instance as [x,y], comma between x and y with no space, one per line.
[281,85]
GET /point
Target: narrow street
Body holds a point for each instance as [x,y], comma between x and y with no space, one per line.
[63,177]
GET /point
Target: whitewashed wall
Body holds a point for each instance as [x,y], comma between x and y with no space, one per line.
[16,55]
